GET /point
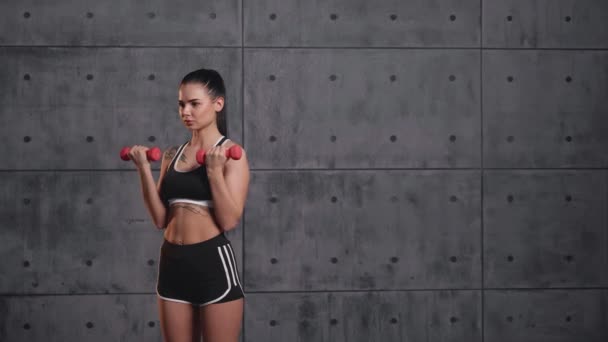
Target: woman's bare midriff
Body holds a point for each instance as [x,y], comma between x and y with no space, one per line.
[190,223]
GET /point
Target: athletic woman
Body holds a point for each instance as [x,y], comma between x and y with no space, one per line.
[198,286]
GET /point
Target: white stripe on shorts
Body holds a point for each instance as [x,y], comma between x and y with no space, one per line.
[219,250]
[230,263]
[235,270]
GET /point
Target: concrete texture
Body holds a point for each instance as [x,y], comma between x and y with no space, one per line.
[421,170]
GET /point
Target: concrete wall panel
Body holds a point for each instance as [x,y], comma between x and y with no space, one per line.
[339,23]
[92,318]
[345,230]
[546,315]
[365,316]
[357,109]
[579,24]
[545,109]
[120,23]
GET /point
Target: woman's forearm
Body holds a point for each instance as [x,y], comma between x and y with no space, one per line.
[224,208]
[152,199]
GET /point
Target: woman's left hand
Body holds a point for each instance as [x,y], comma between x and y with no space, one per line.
[215,159]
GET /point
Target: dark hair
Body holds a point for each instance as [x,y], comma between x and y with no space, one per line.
[214,83]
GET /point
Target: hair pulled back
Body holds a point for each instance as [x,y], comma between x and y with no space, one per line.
[213,82]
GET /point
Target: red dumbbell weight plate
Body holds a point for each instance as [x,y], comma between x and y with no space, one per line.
[234,152]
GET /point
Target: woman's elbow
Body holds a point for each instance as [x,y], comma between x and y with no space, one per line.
[232,225]
[161,223]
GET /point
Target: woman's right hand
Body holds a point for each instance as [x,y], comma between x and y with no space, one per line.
[138,156]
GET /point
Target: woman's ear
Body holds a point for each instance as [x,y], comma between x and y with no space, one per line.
[219,104]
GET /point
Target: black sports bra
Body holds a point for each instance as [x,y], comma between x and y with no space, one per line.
[186,186]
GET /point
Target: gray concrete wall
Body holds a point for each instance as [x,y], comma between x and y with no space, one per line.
[421,170]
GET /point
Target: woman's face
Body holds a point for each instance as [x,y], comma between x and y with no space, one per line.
[196,108]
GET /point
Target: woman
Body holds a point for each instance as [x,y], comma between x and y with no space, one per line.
[199,290]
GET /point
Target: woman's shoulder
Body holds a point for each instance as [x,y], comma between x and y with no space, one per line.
[229,143]
[170,152]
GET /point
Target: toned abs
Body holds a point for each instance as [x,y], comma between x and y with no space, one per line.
[188,223]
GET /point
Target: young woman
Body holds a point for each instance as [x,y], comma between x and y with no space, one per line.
[198,287]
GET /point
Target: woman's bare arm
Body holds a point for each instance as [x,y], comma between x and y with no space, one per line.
[151,191]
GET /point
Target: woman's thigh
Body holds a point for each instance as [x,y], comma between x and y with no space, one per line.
[221,322]
[179,322]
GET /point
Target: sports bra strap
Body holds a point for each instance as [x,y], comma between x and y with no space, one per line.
[222,141]
[179,149]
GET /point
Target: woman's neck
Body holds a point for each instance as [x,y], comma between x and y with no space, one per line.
[204,140]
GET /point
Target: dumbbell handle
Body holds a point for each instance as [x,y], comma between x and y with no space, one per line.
[152,154]
[234,152]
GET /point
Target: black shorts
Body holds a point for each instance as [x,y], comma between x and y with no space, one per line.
[199,274]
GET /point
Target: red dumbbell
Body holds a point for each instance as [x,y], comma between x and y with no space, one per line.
[152,154]
[233,152]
